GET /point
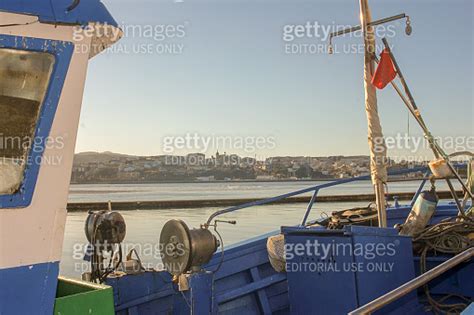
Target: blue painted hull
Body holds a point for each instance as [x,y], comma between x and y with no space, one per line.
[28,289]
[247,284]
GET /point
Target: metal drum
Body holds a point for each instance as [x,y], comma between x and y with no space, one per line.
[184,250]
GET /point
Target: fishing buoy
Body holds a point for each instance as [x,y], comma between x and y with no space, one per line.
[440,169]
[421,213]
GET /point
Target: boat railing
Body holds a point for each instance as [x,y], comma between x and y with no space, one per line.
[414,284]
[316,189]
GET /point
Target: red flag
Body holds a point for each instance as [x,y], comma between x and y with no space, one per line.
[385,71]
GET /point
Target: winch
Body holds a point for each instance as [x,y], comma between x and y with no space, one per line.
[105,231]
[183,249]
[105,227]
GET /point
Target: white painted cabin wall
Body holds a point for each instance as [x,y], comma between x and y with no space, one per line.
[35,234]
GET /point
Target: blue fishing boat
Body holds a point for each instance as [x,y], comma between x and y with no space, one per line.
[386,258]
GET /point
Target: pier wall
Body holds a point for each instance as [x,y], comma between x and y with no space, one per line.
[179,204]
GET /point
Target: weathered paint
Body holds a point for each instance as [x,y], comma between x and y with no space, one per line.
[32,226]
[62,52]
[41,221]
[61,11]
[28,289]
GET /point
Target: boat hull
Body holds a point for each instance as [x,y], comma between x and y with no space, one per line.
[247,284]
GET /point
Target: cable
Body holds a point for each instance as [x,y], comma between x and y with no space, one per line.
[222,249]
[139,260]
[110,270]
[186,300]
[18,24]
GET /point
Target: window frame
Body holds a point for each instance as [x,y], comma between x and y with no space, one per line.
[62,52]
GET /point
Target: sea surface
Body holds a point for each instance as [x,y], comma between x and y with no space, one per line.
[144,226]
[216,190]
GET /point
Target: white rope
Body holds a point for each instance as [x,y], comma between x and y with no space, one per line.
[378,149]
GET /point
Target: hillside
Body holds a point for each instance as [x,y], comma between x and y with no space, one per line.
[103,157]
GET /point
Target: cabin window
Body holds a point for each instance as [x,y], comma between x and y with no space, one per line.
[24,78]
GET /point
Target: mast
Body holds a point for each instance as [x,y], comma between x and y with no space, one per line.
[378,149]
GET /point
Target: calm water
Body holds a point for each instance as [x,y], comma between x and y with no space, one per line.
[223,190]
[143,227]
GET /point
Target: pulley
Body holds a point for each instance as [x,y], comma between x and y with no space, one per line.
[408,28]
[105,227]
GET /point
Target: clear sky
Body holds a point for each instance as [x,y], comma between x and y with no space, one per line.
[228,74]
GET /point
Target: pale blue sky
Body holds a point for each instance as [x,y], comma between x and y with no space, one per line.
[233,77]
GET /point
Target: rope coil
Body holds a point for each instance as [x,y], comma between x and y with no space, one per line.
[451,236]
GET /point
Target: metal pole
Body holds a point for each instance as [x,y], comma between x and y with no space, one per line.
[374,23]
[416,113]
[375,136]
[302,191]
[455,197]
[310,205]
[414,284]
